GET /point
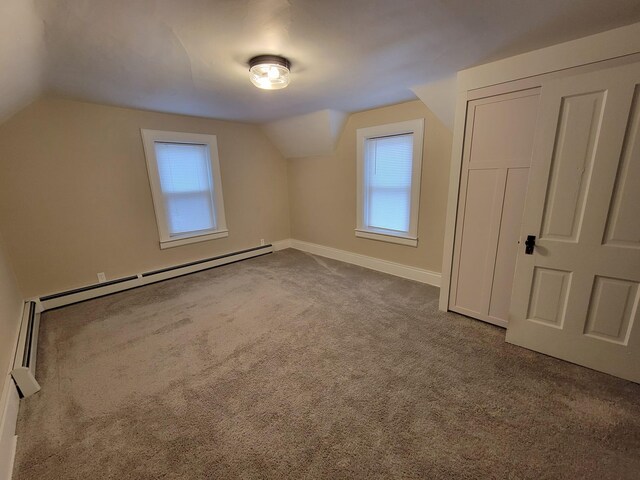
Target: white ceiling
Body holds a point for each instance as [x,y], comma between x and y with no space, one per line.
[189,56]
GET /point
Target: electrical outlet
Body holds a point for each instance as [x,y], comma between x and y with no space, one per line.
[101,277]
[262,241]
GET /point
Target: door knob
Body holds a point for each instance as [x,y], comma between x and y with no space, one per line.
[529,244]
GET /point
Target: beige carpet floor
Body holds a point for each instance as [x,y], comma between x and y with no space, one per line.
[295,366]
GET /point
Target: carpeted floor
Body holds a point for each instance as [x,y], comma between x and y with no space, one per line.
[295,366]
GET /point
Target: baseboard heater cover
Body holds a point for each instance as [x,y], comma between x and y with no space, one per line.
[267,248]
[24,363]
[87,288]
[68,297]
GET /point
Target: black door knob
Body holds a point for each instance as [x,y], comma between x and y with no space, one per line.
[529,244]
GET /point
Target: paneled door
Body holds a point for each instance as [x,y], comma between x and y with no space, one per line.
[495,169]
[576,294]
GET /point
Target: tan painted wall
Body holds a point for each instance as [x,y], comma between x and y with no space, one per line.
[322,191]
[10,314]
[75,197]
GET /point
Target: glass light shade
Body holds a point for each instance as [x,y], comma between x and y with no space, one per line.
[269,73]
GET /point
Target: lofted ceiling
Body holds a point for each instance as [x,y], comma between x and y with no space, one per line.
[190,56]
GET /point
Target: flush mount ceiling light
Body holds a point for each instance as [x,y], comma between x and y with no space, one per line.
[269,72]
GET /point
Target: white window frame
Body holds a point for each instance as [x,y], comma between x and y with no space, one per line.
[415,127]
[149,138]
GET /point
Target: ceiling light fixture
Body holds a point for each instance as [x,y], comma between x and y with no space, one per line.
[269,72]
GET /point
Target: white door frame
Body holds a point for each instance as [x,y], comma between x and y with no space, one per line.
[621,45]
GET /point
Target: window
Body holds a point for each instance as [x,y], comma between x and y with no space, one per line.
[184,173]
[389,169]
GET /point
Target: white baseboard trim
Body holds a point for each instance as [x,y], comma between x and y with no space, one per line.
[281,244]
[385,266]
[8,421]
[92,291]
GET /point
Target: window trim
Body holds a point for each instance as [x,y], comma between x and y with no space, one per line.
[149,138]
[415,127]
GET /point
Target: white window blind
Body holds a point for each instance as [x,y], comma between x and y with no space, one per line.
[186,182]
[388,171]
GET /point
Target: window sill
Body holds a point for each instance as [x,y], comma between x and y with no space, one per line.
[194,239]
[387,237]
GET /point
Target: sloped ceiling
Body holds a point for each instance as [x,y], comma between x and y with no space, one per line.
[440,97]
[308,135]
[189,56]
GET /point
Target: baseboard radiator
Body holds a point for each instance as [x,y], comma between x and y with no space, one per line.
[24,364]
[81,294]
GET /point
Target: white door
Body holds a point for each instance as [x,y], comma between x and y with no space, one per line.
[576,296]
[496,158]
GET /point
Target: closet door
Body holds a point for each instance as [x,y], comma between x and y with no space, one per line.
[496,160]
[576,293]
